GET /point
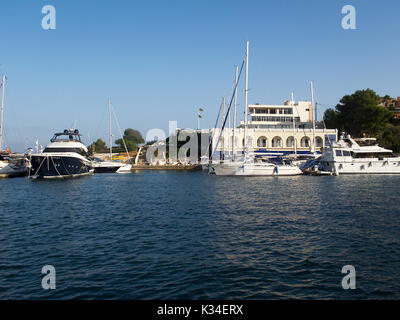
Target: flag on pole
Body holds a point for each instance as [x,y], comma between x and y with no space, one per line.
[201,109]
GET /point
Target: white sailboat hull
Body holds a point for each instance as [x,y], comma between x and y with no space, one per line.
[8,169]
[225,169]
[255,169]
[268,170]
[126,168]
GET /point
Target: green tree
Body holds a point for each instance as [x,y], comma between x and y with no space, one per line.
[360,114]
[331,119]
[390,138]
[132,139]
[98,146]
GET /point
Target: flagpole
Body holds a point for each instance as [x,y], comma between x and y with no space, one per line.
[199,116]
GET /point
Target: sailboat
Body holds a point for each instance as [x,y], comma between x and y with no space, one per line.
[250,165]
[101,166]
[10,166]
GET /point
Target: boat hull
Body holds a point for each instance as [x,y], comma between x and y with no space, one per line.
[261,170]
[126,168]
[10,170]
[59,166]
[373,166]
[224,169]
[108,169]
[111,167]
[255,169]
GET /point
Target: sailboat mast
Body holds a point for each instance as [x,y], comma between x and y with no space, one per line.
[294,128]
[234,113]
[3,84]
[245,96]
[312,113]
[109,127]
[222,127]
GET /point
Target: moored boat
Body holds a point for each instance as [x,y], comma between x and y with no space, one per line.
[111,166]
[65,156]
[249,165]
[102,166]
[11,166]
[359,156]
[254,167]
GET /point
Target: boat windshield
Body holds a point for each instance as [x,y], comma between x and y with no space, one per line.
[67,135]
[366,142]
[379,155]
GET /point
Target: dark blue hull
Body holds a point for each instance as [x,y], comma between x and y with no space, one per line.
[106,169]
[44,166]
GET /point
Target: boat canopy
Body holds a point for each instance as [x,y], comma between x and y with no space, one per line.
[72,134]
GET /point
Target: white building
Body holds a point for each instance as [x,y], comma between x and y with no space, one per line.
[279,116]
[275,129]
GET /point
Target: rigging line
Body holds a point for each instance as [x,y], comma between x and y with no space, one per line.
[39,166]
[215,127]
[55,167]
[64,165]
[119,129]
[219,113]
[322,118]
[324,105]
[229,108]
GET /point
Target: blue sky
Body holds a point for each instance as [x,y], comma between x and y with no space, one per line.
[162,60]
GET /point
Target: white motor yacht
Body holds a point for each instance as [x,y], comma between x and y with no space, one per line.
[360,156]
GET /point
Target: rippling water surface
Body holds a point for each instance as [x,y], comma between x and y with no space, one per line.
[182,235]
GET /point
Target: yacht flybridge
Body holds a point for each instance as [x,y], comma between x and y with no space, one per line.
[363,155]
[65,156]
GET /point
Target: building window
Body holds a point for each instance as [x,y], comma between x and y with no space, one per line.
[249,142]
[262,142]
[319,142]
[277,142]
[272,119]
[290,142]
[305,142]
